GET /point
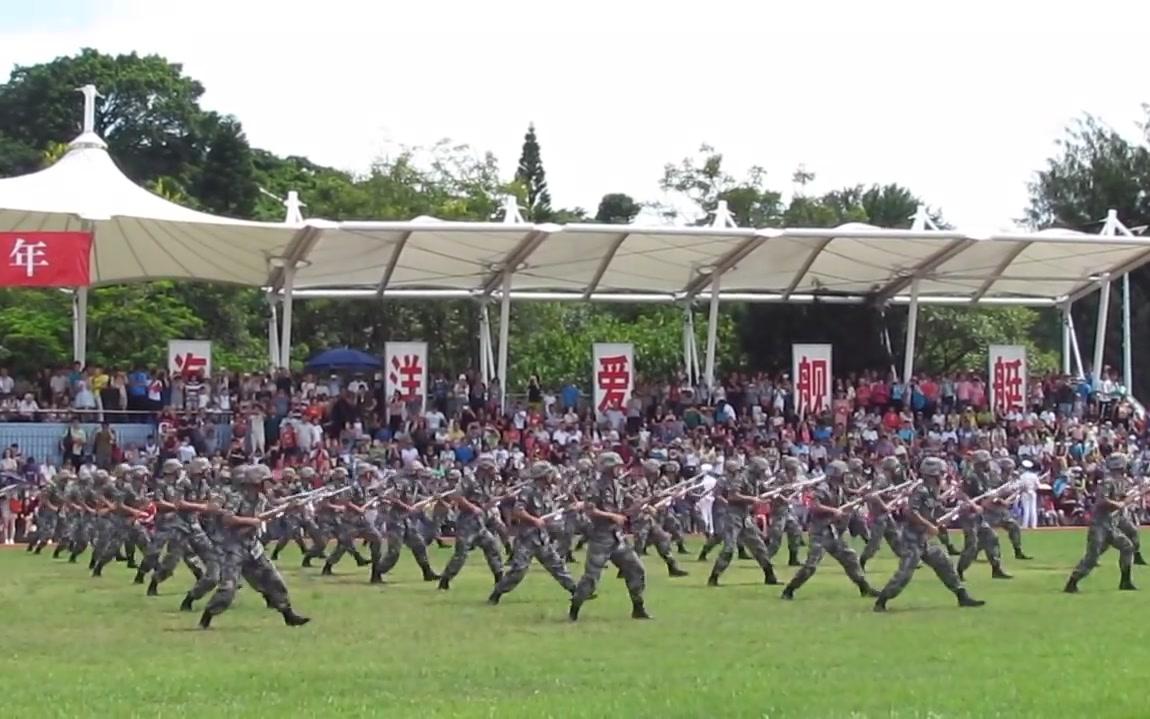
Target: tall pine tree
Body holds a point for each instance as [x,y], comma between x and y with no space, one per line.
[531,176]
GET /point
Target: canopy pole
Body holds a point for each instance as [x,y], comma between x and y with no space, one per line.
[273,332]
[80,326]
[285,336]
[504,327]
[885,338]
[1127,353]
[911,332]
[712,336]
[1067,328]
[688,338]
[1074,342]
[1100,331]
[484,343]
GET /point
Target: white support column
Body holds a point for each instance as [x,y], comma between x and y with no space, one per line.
[285,335]
[80,325]
[1100,330]
[1067,328]
[273,332]
[688,334]
[911,332]
[504,327]
[1074,343]
[712,335]
[484,338]
[1127,352]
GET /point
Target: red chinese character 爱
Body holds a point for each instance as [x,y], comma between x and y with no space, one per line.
[407,375]
[614,379]
[1007,384]
[812,385]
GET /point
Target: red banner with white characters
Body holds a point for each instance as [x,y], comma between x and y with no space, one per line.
[45,259]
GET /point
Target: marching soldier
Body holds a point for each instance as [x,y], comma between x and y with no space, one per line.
[1104,533]
[998,513]
[471,497]
[48,513]
[353,523]
[645,522]
[883,525]
[976,533]
[918,528]
[783,520]
[401,528]
[606,542]
[738,490]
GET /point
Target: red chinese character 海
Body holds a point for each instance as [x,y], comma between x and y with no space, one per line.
[812,385]
[1007,384]
[407,375]
[614,379]
[190,364]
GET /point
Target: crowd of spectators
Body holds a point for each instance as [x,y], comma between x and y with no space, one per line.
[281,419]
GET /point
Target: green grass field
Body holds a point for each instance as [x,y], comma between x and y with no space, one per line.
[76,646]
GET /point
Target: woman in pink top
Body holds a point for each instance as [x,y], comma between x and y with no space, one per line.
[962,391]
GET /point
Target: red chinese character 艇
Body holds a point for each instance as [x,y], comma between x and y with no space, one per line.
[614,379]
[1007,384]
[812,385]
[407,375]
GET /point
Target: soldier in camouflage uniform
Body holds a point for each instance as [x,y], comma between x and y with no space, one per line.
[607,542]
[646,523]
[48,513]
[1128,518]
[353,523]
[738,489]
[574,522]
[826,534]
[131,509]
[918,527]
[69,494]
[856,485]
[532,540]
[471,497]
[82,524]
[976,533]
[244,556]
[1109,503]
[669,516]
[783,520]
[167,533]
[192,492]
[110,534]
[998,513]
[401,529]
[883,524]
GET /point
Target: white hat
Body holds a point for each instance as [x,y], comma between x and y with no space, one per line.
[1027,464]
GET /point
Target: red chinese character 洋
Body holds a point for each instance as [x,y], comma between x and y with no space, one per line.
[190,364]
[407,375]
[812,385]
[1007,384]
[614,380]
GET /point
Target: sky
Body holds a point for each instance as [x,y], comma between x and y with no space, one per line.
[959,101]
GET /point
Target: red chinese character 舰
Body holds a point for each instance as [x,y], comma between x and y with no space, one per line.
[407,375]
[1007,384]
[189,364]
[812,385]
[614,379]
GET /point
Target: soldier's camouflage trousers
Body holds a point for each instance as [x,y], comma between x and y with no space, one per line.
[648,527]
[45,528]
[828,541]
[400,532]
[79,532]
[978,536]
[192,541]
[1099,538]
[110,538]
[257,571]
[529,545]
[295,524]
[1001,517]
[736,528]
[1129,526]
[914,551]
[884,527]
[470,533]
[783,521]
[610,546]
[348,530]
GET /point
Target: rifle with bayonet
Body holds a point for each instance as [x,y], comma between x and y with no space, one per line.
[303,499]
[904,489]
[996,493]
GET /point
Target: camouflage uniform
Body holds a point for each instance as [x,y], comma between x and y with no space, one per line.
[646,522]
[739,524]
[671,523]
[998,515]
[783,520]
[110,534]
[470,531]
[854,522]
[243,554]
[607,543]
[132,495]
[61,537]
[533,542]
[826,537]
[188,536]
[167,533]
[915,545]
[48,514]
[976,532]
[883,525]
[81,522]
[354,524]
[1128,522]
[1104,532]
[402,529]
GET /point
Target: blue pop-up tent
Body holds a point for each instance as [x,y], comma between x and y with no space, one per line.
[343,359]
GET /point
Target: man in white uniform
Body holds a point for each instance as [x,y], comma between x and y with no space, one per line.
[1028,481]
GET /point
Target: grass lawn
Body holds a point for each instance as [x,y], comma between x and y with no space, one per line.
[76,646]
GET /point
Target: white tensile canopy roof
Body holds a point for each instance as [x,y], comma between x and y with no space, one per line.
[137,235]
[430,258]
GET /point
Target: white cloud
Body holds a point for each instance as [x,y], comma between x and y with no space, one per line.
[959,101]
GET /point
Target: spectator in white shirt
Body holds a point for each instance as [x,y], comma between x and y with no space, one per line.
[1029,496]
[7,384]
[27,408]
[186,451]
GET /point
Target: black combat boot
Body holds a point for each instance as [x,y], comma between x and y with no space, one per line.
[131,563]
[674,571]
[1019,554]
[186,605]
[72,558]
[965,600]
[638,611]
[98,569]
[682,549]
[444,584]
[713,580]
[92,561]
[292,619]
[703,554]
[1137,557]
[31,546]
[140,574]
[306,560]
[619,574]
[573,612]
[788,593]
[376,577]
[153,588]
[276,554]
[428,574]
[39,548]
[998,573]
[880,603]
[1125,584]
[769,575]
[793,560]
[269,603]
[497,577]
[1071,585]
[206,620]
[362,561]
[570,558]
[56,552]
[326,571]
[494,598]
